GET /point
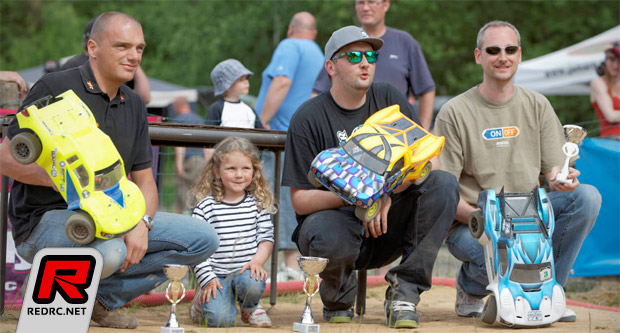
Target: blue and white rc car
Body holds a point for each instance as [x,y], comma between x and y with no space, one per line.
[515,230]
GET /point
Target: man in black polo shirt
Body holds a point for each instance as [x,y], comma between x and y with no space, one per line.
[132,264]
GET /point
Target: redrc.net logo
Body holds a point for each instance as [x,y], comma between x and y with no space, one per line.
[67,275]
[61,293]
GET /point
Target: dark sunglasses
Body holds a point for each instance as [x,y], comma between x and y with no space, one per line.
[356,56]
[493,50]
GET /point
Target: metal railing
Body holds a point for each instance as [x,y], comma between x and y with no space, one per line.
[175,135]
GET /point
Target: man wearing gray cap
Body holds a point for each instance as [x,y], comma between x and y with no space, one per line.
[412,222]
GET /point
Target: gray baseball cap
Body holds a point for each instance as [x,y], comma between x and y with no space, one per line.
[226,73]
[347,35]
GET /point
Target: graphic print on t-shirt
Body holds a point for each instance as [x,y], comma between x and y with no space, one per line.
[500,133]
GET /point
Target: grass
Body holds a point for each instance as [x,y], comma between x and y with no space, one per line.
[294,298]
[7,318]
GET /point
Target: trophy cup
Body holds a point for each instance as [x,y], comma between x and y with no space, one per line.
[174,289]
[574,136]
[311,266]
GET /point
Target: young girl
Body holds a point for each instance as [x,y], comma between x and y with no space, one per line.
[233,195]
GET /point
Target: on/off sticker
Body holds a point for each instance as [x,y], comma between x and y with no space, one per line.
[500,133]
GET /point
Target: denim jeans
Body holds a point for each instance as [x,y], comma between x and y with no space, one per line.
[418,222]
[575,213]
[236,288]
[287,220]
[175,239]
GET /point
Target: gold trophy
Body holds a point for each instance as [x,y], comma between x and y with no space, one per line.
[175,288]
[311,266]
[574,136]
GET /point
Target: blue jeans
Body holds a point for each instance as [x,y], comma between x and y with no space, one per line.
[236,288]
[175,239]
[418,222]
[288,221]
[575,213]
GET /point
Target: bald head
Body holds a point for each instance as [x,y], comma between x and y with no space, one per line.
[303,25]
[104,20]
[115,50]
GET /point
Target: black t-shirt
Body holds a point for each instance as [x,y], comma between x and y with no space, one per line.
[320,124]
[123,119]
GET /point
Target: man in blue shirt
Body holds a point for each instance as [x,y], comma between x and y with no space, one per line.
[286,83]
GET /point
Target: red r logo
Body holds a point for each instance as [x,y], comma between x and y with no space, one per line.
[69,275]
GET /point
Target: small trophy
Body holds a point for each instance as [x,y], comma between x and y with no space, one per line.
[311,266]
[174,289]
[574,136]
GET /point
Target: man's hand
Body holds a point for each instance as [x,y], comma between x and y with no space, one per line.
[379,225]
[567,187]
[210,290]
[136,241]
[265,124]
[256,270]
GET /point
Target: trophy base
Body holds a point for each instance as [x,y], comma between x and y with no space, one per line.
[172,330]
[306,328]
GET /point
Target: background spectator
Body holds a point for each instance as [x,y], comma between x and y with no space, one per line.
[287,82]
[188,162]
[605,93]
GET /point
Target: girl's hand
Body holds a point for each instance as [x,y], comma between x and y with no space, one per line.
[256,270]
[211,289]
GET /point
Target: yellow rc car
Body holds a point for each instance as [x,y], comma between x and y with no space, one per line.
[61,135]
[386,151]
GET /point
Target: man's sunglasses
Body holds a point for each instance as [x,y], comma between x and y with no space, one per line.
[356,56]
[494,50]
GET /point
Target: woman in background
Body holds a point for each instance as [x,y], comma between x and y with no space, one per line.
[605,93]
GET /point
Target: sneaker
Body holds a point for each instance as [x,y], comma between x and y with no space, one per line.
[467,305]
[401,314]
[113,319]
[256,317]
[195,312]
[338,316]
[569,316]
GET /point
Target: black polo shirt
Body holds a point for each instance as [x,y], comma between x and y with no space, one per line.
[123,119]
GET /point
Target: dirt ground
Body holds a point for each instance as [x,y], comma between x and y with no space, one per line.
[435,310]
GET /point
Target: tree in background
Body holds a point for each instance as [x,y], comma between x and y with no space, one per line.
[185,39]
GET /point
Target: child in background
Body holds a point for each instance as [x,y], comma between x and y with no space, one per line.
[234,197]
[230,79]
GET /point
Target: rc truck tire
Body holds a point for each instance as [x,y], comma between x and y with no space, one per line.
[25,147]
[476,223]
[80,228]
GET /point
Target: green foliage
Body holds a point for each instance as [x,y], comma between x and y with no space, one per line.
[186,39]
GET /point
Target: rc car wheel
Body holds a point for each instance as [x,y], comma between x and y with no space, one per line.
[476,223]
[25,147]
[80,228]
[312,179]
[426,170]
[367,214]
[489,312]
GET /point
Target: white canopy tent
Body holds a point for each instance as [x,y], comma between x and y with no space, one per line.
[567,71]
[162,93]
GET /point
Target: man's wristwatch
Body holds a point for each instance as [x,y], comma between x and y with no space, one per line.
[148,221]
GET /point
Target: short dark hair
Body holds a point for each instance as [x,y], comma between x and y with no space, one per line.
[87,30]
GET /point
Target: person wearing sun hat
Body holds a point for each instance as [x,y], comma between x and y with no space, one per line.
[605,93]
[412,222]
[231,80]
